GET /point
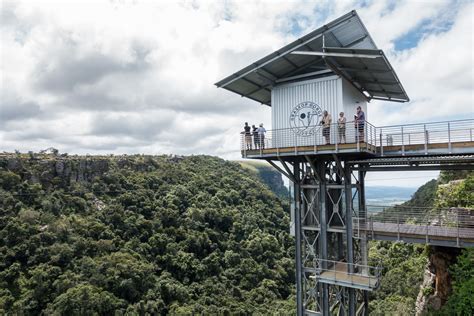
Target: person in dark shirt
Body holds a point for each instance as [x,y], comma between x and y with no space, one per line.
[256,139]
[247,136]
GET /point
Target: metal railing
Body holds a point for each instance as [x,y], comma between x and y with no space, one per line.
[313,137]
[363,137]
[453,223]
[349,273]
[448,132]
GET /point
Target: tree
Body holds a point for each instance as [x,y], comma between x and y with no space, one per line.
[85,299]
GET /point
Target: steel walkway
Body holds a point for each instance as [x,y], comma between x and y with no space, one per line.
[453,227]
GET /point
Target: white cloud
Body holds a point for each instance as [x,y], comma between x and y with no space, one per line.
[137,76]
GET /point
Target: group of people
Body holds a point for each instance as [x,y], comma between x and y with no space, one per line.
[359,120]
[258,134]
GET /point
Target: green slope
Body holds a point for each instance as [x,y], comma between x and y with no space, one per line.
[268,175]
[140,234]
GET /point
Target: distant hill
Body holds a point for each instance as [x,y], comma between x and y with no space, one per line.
[271,177]
[372,192]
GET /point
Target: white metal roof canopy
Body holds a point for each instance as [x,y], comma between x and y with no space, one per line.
[342,46]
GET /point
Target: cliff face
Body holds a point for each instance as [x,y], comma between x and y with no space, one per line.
[436,287]
[65,171]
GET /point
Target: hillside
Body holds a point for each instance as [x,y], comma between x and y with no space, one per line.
[181,235]
[136,234]
[268,175]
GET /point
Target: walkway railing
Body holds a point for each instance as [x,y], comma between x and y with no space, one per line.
[312,137]
[425,134]
[384,140]
[452,223]
[352,274]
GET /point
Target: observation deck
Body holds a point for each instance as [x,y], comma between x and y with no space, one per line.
[369,141]
[352,275]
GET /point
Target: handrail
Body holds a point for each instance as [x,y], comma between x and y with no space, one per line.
[350,270]
[365,136]
[455,222]
[436,122]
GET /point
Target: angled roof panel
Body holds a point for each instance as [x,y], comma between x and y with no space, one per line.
[372,73]
[346,32]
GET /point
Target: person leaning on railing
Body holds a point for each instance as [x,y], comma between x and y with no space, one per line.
[247,136]
[359,119]
[256,141]
[261,135]
[341,127]
[326,123]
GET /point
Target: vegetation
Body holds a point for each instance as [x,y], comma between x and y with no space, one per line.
[424,196]
[269,176]
[403,266]
[150,235]
[141,235]
[461,302]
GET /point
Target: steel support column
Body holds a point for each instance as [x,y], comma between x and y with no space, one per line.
[323,239]
[349,233]
[363,235]
[299,276]
[328,208]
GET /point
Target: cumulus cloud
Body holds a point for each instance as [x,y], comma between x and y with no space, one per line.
[137,76]
[16,109]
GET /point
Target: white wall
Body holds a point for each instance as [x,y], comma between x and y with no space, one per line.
[332,93]
[351,99]
[325,92]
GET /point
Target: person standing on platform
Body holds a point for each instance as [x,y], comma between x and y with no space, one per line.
[247,136]
[255,136]
[326,122]
[359,119]
[261,136]
[341,126]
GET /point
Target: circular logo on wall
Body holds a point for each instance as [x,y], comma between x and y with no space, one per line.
[304,118]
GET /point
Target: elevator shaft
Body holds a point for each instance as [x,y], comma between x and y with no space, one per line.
[331,251]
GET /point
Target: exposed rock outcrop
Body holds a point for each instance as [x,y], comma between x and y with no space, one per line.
[436,286]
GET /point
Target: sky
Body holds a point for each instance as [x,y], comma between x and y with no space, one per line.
[132,76]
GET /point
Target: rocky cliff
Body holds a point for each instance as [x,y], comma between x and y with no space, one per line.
[436,287]
[67,170]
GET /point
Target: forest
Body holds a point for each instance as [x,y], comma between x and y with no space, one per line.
[158,235]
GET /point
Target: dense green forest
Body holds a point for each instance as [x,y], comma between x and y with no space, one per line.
[141,234]
[136,235]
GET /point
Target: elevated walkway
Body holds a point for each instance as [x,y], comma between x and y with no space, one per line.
[410,140]
[452,227]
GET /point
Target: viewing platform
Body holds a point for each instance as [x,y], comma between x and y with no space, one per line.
[367,140]
[352,275]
